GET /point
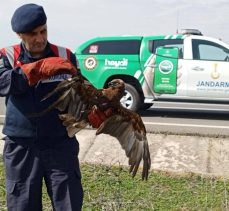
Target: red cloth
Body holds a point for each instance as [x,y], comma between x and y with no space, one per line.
[45,68]
[96,117]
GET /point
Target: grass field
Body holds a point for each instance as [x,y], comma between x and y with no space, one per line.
[112,188]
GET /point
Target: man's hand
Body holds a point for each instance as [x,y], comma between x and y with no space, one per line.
[96,117]
[45,68]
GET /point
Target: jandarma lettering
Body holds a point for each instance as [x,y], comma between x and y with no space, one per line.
[223,84]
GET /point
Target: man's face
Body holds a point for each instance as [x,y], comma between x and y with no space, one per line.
[35,41]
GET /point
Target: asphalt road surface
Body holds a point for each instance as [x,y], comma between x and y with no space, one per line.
[179,119]
[185,120]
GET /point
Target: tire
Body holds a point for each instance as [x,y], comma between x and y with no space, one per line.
[131,99]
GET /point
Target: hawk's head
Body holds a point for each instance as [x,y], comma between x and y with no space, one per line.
[117,88]
[117,83]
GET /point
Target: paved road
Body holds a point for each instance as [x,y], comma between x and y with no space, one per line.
[186,121]
[179,119]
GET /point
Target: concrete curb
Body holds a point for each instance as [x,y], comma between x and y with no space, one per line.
[173,153]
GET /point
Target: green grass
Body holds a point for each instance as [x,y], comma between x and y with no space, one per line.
[112,188]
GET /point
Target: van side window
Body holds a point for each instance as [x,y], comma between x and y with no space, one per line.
[207,50]
[114,47]
[154,44]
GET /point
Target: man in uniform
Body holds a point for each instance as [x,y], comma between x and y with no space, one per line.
[37,148]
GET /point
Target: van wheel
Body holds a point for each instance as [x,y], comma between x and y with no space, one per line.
[131,99]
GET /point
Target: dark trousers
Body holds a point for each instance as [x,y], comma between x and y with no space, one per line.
[27,164]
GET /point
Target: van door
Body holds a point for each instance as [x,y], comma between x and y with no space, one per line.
[208,71]
[148,53]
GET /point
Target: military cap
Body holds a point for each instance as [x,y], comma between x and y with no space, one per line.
[28,17]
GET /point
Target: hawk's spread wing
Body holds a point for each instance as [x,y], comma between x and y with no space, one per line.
[76,96]
[130,132]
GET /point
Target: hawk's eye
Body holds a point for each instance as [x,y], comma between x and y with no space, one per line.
[111,84]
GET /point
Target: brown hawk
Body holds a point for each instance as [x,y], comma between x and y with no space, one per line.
[82,105]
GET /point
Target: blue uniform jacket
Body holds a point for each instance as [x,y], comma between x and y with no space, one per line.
[23,100]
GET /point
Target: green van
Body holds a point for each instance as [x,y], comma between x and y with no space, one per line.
[201,72]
